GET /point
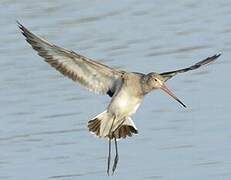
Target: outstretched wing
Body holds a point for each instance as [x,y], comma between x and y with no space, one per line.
[89,73]
[170,74]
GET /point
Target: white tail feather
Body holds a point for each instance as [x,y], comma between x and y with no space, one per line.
[103,126]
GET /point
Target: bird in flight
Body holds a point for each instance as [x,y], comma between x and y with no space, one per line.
[126,89]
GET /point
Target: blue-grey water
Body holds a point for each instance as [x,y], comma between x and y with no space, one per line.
[43,115]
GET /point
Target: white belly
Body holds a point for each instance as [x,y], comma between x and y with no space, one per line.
[124,105]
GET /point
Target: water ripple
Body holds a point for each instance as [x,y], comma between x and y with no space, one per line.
[76,175]
[179,50]
[23,136]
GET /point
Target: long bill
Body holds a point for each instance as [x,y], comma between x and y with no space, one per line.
[165,89]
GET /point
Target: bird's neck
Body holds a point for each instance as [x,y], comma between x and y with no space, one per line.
[146,86]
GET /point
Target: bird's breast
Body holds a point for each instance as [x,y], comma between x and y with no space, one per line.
[124,105]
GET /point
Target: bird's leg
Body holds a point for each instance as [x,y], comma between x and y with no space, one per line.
[116,148]
[109,156]
[109,148]
[116,157]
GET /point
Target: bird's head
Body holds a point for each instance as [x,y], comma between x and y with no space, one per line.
[156,81]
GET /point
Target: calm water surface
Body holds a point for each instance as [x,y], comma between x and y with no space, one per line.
[43,115]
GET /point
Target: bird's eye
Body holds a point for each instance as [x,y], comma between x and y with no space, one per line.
[155,79]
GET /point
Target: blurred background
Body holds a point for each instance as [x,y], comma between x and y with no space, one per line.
[43,115]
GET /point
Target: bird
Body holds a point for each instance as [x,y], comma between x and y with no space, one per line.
[126,89]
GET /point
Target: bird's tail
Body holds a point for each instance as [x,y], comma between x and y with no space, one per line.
[103,126]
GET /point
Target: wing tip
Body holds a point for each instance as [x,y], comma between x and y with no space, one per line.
[21,27]
[212,58]
[217,55]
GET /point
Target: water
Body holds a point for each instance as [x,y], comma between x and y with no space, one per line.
[43,132]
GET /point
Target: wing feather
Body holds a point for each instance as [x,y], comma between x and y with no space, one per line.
[89,73]
[170,74]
